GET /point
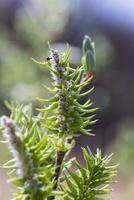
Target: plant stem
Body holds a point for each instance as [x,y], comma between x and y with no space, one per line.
[60,157]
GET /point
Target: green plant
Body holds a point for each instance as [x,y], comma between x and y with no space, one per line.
[40,143]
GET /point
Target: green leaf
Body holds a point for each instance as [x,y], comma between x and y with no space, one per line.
[89,160]
[89,57]
[66,55]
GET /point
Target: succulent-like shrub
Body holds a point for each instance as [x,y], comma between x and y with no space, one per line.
[41,143]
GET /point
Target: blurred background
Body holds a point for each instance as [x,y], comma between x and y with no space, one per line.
[25,28]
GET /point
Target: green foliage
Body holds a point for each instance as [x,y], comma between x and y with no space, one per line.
[67,114]
[32,152]
[89,57]
[91,182]
[40,142]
